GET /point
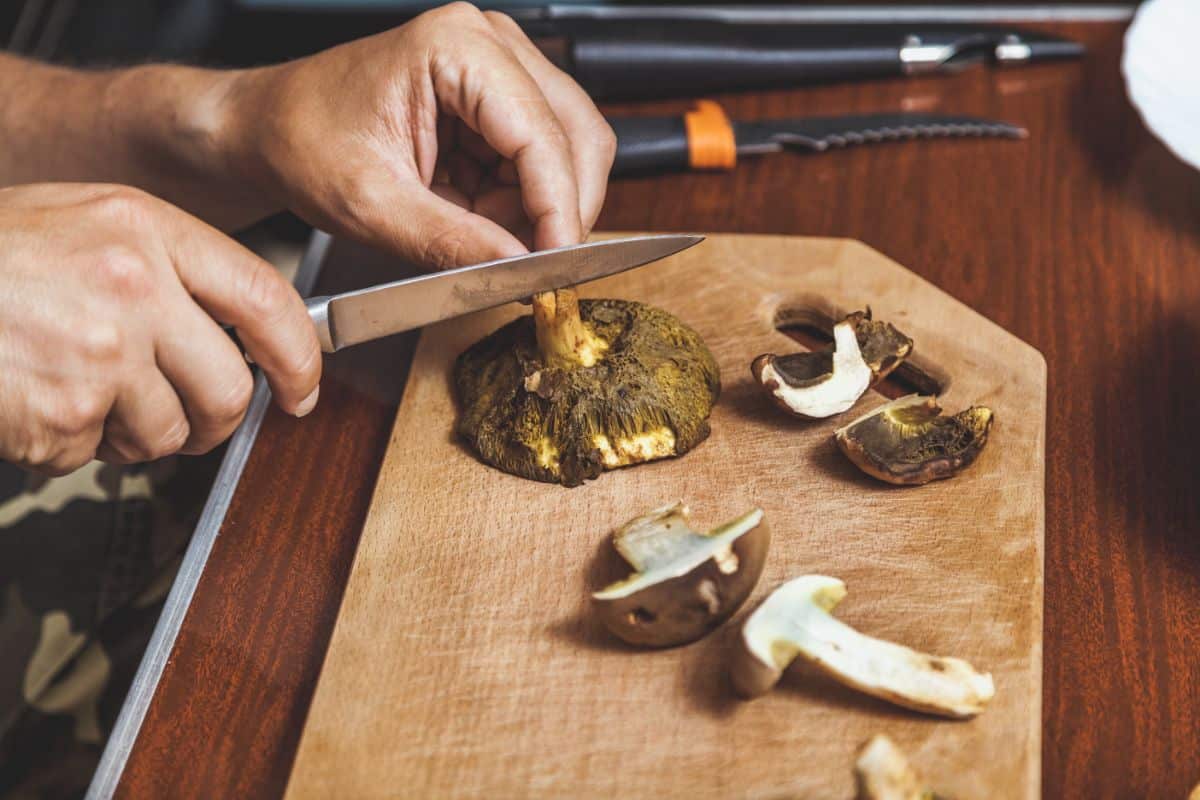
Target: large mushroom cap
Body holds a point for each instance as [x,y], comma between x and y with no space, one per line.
[684,583]
[645,394]
[908,441]
[822,383]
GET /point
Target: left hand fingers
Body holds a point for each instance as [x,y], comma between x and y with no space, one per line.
[593,144]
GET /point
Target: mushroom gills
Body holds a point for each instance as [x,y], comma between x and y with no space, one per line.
[795,621]
[684,583]
[820,384]
[908,441]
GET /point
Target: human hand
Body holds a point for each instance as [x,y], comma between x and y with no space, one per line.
[111,345]
[450,140]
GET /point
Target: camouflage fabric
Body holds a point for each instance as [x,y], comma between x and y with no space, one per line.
[85,563]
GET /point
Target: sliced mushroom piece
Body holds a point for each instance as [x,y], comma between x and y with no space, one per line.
[908,441]
[795,620]
[684,583]
[881,772]
[819,384]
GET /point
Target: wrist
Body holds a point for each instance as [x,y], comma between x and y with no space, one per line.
[193,132]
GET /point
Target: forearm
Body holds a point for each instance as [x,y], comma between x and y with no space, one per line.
[165,129]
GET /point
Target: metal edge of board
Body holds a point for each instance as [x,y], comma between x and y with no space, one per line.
[162,642]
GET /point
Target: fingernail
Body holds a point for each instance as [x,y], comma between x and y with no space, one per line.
[308,403]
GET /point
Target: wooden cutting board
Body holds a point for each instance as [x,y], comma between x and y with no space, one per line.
[465,662]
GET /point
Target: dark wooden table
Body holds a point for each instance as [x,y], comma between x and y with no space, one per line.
[1084,240]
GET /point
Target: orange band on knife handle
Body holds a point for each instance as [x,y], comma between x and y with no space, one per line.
[711,143]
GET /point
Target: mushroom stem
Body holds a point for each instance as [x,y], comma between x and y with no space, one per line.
[562,337]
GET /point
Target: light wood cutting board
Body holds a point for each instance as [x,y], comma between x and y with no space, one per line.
[465,663]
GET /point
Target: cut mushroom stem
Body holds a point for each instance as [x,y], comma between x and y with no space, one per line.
[795,621]
[684,583]
[821,384]
[881,772]
[563,338]
[908,441]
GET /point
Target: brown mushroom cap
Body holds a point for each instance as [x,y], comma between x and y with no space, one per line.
[646,392]
[685,583]
[908,441]
[821,383]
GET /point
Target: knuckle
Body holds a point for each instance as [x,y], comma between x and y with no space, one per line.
[606,139]
[266,294]
[224,411]
[457,13]
[444,249]
[80,412]
[123,271]
[37,451]
[169,442]
[362,200]
[124,205]
[101,342]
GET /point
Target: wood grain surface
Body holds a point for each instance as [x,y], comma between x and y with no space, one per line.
[466,661]
[1084,240]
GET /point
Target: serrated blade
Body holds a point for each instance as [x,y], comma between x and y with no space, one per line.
[823,133]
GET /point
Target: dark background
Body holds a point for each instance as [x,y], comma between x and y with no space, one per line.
[235,32]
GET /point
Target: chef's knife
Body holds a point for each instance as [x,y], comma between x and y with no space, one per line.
[662,57]
[366,314]
[705,138]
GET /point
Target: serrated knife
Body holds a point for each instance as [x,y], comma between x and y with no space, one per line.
[366,314]
[706,139]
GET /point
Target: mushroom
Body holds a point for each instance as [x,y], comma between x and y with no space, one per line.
[795,620]
[684,583]
[584,386]
[907,441]
[881,772]
[815,385]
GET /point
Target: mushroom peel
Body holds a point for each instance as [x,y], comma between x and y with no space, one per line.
[819,384]
[881,772]
[908,441]
[795,620]
[684,583]
[584,386]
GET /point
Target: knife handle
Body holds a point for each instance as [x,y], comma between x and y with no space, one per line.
[654,60]
[701,139]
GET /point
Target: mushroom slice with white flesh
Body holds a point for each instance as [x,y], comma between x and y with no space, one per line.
[820,384]
[908,441]
[684,583]
[881,772]
[795,620]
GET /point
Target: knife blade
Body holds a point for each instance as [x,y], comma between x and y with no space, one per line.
[705,138]
[366,314]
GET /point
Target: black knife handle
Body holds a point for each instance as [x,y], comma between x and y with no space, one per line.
[660,63]
[701,139]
